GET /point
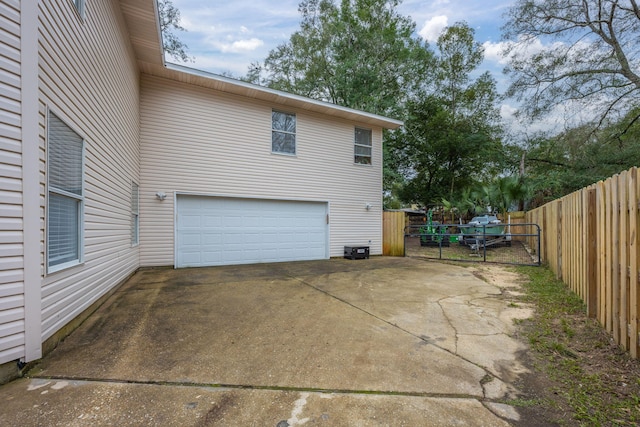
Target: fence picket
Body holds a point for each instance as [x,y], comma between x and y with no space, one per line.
[615,267]
[393,233]
[609,267]
[590,239]
[634,254]
[623,261]
[602,249]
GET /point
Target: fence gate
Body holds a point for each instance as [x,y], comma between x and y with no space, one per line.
[497,243]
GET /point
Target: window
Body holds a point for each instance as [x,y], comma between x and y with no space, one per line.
[362,148]
[135,213]
[283,133]
[79,4]
[65,195]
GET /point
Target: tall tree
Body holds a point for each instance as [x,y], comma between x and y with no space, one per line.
[580,156]
[359,53]
[592,58]
[451,138]
[169,24]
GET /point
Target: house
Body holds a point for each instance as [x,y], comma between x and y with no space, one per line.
[112,160]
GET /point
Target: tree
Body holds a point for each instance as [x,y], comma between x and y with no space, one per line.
[580,156]
[169,23]
[360,54]
[451,138]
[592,61]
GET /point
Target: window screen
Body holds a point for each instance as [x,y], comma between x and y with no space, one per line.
[283,132]
[362,146]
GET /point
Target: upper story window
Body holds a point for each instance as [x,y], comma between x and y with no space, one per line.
[283,132]
[79,4]
[65,195]
[362,146]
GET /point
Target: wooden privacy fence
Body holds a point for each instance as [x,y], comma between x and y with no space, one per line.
[393,233]
[590,240]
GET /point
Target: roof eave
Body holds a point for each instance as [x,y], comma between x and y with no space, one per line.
[143,23]
[239,87]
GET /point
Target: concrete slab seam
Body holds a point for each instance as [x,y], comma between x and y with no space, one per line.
[260,387]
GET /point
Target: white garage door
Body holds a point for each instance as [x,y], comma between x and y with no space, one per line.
[220,231]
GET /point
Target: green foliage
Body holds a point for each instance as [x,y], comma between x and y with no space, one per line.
[169,23]
[578,157]
[451,139]
[501,194]
[359,54]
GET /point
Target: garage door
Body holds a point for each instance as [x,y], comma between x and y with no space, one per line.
[221,231]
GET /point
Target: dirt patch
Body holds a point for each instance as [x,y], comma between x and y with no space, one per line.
[578,375]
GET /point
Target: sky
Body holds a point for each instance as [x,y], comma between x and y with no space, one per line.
[227,36]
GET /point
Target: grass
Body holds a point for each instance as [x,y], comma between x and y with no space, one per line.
[592,377]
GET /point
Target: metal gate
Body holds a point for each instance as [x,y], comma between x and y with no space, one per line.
[517,244]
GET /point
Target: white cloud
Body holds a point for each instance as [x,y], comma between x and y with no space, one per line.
[197,27]
[508,112]
[494,52]
[239,46]
[433,27]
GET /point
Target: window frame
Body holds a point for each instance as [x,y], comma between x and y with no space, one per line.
[135,214]
[79,6]
[285,132]
[357,144]
[78,198]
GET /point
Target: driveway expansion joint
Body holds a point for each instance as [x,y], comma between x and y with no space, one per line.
[262,387]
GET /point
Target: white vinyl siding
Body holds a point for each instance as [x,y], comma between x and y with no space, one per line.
[362,146]
[213,143]
[65,195]
[135,213]
[89,78]
[12,312]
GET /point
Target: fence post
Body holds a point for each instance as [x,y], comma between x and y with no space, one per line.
[592,255]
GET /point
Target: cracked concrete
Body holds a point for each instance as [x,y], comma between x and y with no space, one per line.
[369,342]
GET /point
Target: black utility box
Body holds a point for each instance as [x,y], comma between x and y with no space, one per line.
[356,252]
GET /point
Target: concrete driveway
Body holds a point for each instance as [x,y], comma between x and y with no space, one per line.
[384,341]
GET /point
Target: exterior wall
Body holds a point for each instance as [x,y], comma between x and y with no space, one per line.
[12,313]
[204,141]
[90,80]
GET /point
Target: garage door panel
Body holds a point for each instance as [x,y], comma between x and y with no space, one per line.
[211,238]
[217,231]
[209,220]
[212,259]
[192,258]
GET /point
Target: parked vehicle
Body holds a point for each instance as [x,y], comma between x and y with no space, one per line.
[433,234]
[483,231]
